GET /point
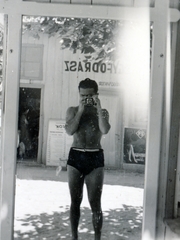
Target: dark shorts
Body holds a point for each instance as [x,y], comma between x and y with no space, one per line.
[86,162]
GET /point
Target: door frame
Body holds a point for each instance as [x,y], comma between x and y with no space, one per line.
[40,138]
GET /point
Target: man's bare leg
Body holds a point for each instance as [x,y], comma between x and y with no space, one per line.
[76,181]
[94,182]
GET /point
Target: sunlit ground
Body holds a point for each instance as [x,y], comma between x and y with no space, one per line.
[42,209]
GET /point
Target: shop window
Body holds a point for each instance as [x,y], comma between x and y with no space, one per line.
[32,62]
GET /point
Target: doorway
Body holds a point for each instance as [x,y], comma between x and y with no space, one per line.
[112,143]
[28,123]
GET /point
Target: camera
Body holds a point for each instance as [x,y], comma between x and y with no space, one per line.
[89,101]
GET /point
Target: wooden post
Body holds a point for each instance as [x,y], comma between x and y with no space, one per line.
[153,154]
[10,124]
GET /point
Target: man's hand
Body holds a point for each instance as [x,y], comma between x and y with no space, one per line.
[81,105]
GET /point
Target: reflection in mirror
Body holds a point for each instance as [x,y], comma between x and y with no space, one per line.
[57,53]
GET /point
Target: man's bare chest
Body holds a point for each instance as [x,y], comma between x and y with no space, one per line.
[89,121]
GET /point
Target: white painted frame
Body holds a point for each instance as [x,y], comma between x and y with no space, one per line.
[155,122]
[161,15]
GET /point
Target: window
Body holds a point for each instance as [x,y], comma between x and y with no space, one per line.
[32,62]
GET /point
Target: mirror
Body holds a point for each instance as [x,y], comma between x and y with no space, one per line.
[57,53]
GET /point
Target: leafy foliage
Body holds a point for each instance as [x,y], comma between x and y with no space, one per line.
[96,38]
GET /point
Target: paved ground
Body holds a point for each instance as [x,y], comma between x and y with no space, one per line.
[112,177]
[42,205]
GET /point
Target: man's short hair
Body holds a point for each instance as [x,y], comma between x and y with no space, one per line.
[88,83]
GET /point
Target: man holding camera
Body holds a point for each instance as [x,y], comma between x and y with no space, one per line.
[87,123]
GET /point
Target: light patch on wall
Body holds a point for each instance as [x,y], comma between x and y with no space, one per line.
[2,19]
[4,211]
[134,49]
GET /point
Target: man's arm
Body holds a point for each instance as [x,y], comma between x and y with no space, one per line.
[104,125]
[103,116]
[72,120]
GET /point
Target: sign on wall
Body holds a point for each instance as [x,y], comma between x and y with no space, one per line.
[134,145]
[58,143]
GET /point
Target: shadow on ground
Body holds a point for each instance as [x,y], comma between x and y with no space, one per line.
[119,224]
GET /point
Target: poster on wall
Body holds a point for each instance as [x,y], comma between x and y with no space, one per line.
[58,143]
[134,145]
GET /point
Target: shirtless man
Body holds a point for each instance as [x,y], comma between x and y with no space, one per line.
[87,123]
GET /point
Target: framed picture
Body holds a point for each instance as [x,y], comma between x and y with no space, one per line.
[134,145]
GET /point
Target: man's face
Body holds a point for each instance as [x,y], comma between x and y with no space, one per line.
[86,93]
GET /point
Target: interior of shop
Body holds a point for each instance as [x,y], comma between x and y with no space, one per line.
[28,124]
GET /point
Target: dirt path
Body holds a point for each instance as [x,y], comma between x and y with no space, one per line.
[42,206]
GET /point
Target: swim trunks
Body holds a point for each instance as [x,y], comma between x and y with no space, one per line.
[86,161]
